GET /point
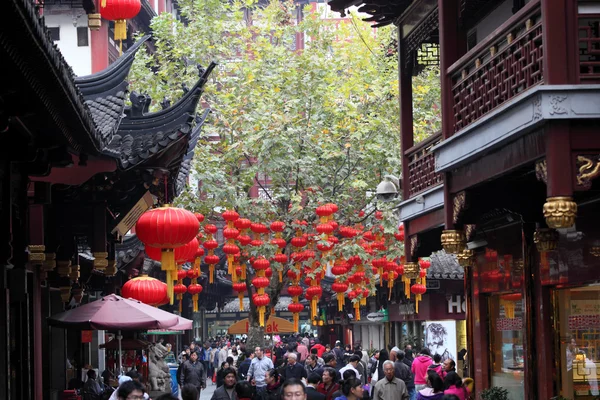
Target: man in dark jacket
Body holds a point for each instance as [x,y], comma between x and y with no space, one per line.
[293,369]
[311,388]
[245,366]
[226,392]
[193,373]
[403,372]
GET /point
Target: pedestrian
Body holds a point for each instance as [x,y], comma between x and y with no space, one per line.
[136,376]
[390,387]
[223,354]
[315,352]
[303,351]
[312,393]
[437,366]
[453,385]
[293,369]
[352,364]
[131,390]
[293,389]
[257,371]
[361,367]
[434,390]
[339,353]
[347,353]
[403,372]
[274,382]
[245,366]
[244,390]
[226,391]
[352,389]
[122,380]
[449,366]
[319,348]
[348,374]
[91,388]
[408,356]
[193,373]
[220,375]
[383,357]
[328,385]
[419,368]
[189,392]
[312,366]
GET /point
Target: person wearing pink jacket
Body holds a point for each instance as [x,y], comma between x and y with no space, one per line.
[453,385]
[419,368]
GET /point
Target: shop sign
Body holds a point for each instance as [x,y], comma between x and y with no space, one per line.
[273,325]
[380,316]
[457,304]
[133,215]
[432,284]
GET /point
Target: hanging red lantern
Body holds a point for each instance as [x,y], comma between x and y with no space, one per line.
[340,288]
[295,309]
[120,11]
[199,217]
[400,234]
[167,228]
[240,288]
[261,301]
[192,273]
[313,294]
[418,290]
[195,289]
[179,290]
[242,223]
[146,289]
[424,263]
[277,226]
[260,282]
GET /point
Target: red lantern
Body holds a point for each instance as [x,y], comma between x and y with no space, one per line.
[145,289]
[230,233]
[199,217]
[295,307]
[325,229]
[340,288]
[299,241]
[181,274]
[258,228]
[277,226]
[279,242]
[195,289]
[424,263]
[240,288]
[418,289]
[167,228]
[261,301]
[119,11]
[242,223]
[261,264]
[269,272]
[280,258]
[294,290]
[193,273]
[244,239]
[260,282]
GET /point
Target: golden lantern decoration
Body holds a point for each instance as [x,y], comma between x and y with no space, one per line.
[63,268]
[560,212]
[74,274]
[48,265]
[411,271]
[453,241]
[111,268]
[65,293]
[545,239]
[100,260]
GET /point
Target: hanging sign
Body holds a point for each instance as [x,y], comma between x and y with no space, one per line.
[86,336]
[273,325]
[133,215]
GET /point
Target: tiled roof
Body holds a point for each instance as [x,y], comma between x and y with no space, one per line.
[445,266]
[383,12]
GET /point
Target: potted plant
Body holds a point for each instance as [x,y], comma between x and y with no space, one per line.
[494,393]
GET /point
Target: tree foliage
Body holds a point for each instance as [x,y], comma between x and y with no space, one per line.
[305,126]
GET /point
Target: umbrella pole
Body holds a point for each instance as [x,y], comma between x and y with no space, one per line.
[120,360]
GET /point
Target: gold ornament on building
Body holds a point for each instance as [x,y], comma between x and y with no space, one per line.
[63,268]
[65,293]
[465,258]
[411,271]
[74,274]
[560,212]
[453,241]
[595,251]
[48,265]
[94,22]
[36,254]
[100,261]
[545,239]
[111,268]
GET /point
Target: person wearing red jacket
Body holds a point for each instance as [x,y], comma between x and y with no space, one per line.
[320,349]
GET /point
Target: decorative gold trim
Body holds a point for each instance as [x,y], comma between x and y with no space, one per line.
[111,268]
[545,239]
[94,22]
[36,254]
[469,231]
[595,251]
[49,263]
[541,171]
[528,24]
[493,51]
[465,258]
[453,241]
[411,270]
[65,293]
[589,169]
[63,267]
[100,261]
[74,274]
[459,204]
[509,38]
[560,212]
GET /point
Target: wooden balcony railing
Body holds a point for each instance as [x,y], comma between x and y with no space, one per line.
[589,48]
[506,63]
[421,166]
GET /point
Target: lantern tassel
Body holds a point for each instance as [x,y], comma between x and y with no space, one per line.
[406,286]
[195,300]
[243,271]
[230,264]
[280,275]
[357,310]
[296,320]
[211,273]
[390,286]
[340,299]
[197,264]
[313,308]
[120,29]
[180,298]
[261,315]
[417,304]
[241,298]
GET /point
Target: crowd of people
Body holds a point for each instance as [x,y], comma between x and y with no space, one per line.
[302,367]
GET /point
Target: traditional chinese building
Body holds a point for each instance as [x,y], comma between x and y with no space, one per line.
[511,177]
[77,168]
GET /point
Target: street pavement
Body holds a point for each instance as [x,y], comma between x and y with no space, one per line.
[207,393]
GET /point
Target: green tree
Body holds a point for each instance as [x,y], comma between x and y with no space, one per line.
[307,126]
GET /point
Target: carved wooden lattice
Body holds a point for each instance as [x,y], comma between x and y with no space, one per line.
[589,48]
[512,64]
[421,166]
[422,44]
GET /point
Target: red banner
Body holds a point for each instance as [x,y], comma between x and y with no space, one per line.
[86,336]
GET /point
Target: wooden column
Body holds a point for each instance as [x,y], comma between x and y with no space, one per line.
[451,43]
[406,127]
[99,47]
[560,33]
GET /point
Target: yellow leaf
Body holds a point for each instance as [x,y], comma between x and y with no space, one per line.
[277,90]
[348,145]
[326,131]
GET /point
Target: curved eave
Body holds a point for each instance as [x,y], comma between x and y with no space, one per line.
[186,162]
[383,12]
[110,80]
